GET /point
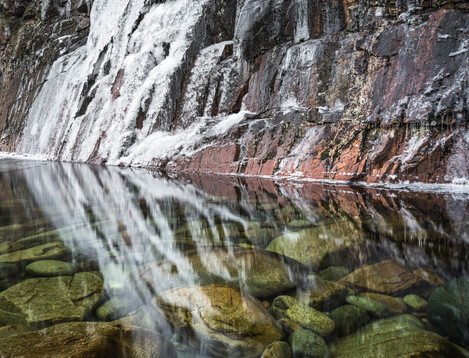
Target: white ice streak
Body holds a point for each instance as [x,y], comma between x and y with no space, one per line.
[148,50]
[164,145]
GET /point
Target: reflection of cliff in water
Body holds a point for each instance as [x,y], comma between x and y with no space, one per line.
[134,216]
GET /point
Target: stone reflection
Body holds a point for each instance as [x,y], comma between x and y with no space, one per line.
[226,267]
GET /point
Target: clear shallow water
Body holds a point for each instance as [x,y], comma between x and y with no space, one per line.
[171,255]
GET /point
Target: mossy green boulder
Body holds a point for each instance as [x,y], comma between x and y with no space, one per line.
[323,295]
[279,349]
[49,268]
[49,251]
[415,302]
[396,305]
[334,273]
[51,300]
[348,319]
[115,308]
[448,309]
[311,246]
[307,344]
[305,316]
[376,308]
[396,337]
[257,272]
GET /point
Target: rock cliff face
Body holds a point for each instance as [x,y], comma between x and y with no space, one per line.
[367,90]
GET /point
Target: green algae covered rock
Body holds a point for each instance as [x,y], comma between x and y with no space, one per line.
[305,316]
[334,273]
[307,344]
[349,318]
[49,268]
[376,308]
[277,349]
[49,251]
[396,337]
[51,300]
[257,272]
[396,305]
[415,302]
[448,308]
[323,295]
[115,308]
[311,246]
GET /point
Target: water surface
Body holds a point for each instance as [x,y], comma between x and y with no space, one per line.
[206,261]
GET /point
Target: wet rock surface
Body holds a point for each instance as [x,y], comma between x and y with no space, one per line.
[87,339]
[256,272]
[311,246]
[48,301]
[230,322]
[447,306]
[348,319]
[49,268]
[399,336]
[386,278]
[305,343]
[305,316]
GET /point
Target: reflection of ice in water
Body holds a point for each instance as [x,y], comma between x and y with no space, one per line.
[123,233]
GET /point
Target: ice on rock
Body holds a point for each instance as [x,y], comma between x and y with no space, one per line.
[148,49]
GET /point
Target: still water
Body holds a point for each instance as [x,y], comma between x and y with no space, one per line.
[111,262]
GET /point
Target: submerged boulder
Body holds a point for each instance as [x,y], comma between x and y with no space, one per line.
[49,268]
[448,308]
[349,318]
[307,344]
[396,305]
[397,337]
[87,339]
[227,321]
[311,246]
[257,272]
[51,300]
[386,278]
[277,349]
[323,295]
[49,251]
[305,316]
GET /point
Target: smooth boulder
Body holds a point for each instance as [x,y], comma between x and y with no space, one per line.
[49,268]
[88,339]
[51,300]
[277,349]
[448,309]
[387,278]
[397,337]
[257,272]
[323,295]
[305,316]
[348,319]
[307,344]
[49,251]
[312,245]
[227,321]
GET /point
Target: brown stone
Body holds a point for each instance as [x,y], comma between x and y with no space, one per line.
[229,322]
[386,278]
[428,275]
[85,340]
